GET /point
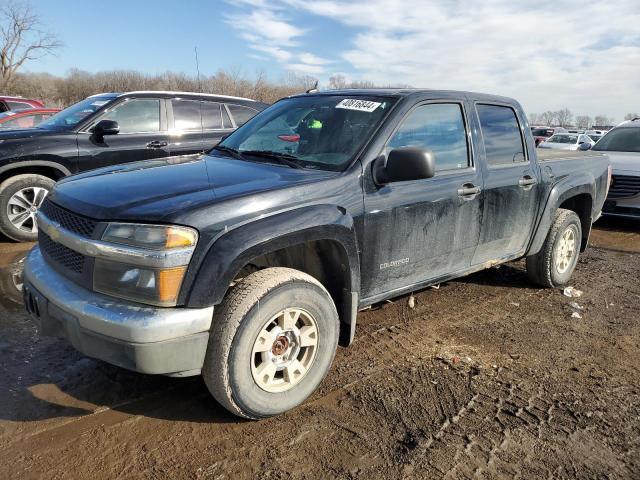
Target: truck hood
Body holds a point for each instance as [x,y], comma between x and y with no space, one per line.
[624,161]
[159,190]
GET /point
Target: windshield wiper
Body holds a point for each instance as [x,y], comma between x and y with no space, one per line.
[283,158]
[232,151]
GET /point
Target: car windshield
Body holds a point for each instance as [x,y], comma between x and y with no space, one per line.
[563,139]
[315,131]
[620,140]
[70,117]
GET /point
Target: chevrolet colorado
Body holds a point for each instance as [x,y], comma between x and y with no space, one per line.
[249,265]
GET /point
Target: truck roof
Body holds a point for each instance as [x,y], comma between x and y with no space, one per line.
[406,92]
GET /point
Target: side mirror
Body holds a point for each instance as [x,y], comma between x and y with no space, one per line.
[584,146]
[106,127]
[404,164]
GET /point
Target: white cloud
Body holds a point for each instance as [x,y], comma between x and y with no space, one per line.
[548,54]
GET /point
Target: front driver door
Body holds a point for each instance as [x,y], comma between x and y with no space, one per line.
[143,135]
[422,230]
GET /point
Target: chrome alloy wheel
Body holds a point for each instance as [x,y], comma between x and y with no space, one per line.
[284,350]
[22,208]
[565,250]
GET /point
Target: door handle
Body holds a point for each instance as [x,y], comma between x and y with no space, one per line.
[527,181]
[468,190]
[157,144]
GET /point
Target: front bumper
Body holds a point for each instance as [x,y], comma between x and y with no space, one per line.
[171,341]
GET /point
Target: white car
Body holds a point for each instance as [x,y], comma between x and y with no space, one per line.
[568,141]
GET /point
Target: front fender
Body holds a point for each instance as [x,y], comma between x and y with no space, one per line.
[236,248]
[566,188]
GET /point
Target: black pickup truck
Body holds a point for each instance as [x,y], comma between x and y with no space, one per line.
[249,265]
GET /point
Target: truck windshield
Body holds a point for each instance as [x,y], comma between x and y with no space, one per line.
[315,131]
[71,116]
[620,140]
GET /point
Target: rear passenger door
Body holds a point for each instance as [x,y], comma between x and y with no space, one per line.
[424,229]
[511,183]
[185,126]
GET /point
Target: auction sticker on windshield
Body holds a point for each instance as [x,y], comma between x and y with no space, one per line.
[360,105]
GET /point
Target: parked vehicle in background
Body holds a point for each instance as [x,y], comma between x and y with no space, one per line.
[18,103]
[15,120]
[568,141]
[595,135]
[103,130]
[622,146]
[248,264]
[540,134]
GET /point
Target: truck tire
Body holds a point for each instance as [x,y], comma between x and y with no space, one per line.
[272,342]
[20,197]
[554,264]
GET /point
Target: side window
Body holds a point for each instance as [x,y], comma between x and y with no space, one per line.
[438,127]
[18,105]
[136,116]
[211,118]
[241,115]
[186,114]
[501,134]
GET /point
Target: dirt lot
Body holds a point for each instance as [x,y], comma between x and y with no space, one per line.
[486,377]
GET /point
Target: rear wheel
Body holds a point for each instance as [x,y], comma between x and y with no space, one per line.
[554,264]
[272,342]
[20,198]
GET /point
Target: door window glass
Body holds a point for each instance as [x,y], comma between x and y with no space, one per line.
[241,115]
[136,116]
[501,135]
[186,114]
[18,105]
[211,115]
[438,127]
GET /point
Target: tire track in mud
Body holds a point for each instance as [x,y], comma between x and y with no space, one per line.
[403,402]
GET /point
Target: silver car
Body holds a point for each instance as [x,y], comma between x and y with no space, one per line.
[568,141]
[622,145]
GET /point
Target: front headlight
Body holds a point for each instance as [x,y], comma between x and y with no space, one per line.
[152,270]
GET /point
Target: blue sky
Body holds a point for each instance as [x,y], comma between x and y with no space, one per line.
[549,54]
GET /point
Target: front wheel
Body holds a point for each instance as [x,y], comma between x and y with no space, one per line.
[554,264]
[272,342]
[20,198]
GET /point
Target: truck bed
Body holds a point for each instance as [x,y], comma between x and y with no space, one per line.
[547,154]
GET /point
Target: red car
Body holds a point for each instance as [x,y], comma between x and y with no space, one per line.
[18,103]
[540,134]
[12,120]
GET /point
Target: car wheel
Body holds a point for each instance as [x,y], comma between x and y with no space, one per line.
[554,264]
[20,198]
[272,342]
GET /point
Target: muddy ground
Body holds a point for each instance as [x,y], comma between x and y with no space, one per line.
[486,377]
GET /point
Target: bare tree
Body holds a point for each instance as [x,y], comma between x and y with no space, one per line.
[22,39]
[603,121]
[583,121]
[564,117]
[547,118]
[631,116]
[534,119]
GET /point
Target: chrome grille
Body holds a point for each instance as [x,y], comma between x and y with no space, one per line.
[624,186]
[76,223]
[59,254]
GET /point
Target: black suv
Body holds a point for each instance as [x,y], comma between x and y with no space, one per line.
[104,130]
